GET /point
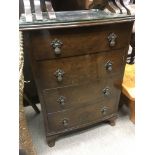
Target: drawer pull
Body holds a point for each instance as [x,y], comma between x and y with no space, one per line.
[106,91]
[28,81]
[57,44]
[59,74]
[112,39]
[61,100]
[65,122]
[104,110]
[108,66]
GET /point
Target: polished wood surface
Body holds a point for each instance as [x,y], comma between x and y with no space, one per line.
[74,118]
[80,95]
[78,41]
[80,69]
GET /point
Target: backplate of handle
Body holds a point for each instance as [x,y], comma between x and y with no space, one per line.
[104,110]
[59,73]
[112,39]
[65,122]
[57,44]
[106,91]
[61,100]
[109,66]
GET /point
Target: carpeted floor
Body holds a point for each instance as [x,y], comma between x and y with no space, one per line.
[99,140]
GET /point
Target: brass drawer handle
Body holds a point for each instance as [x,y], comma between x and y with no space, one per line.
[112,39]
[65,122]
[104,110]
[108,66]
[61,100]
[57,44]
[106,91]
[59,74]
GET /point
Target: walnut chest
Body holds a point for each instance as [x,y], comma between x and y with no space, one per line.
[78,68]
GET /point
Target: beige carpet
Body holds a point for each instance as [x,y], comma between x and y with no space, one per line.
[99,140]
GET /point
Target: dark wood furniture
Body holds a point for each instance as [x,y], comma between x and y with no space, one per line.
[30,90]
[78,62]
[30,103]
[69,5]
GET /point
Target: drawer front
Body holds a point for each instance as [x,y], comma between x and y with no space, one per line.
[75,118]
[50,44]
[60,99]
[76,70]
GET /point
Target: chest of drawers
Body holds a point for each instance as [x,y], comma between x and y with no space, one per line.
[78,70]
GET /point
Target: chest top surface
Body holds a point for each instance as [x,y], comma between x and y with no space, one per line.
[73,19]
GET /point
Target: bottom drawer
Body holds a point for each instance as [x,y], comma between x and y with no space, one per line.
[75,118]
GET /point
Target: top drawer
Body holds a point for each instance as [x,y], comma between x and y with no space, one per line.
[50,44]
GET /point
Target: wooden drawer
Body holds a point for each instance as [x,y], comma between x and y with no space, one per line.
[78,41]
[81,95]
[76,118]
[75,70]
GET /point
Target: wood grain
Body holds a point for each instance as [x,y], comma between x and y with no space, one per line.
[79,41]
